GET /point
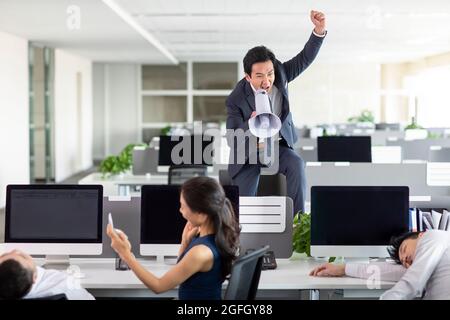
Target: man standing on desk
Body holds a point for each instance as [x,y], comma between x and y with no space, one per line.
[264,71]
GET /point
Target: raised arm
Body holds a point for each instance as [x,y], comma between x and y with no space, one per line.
[300,62]
[199,258]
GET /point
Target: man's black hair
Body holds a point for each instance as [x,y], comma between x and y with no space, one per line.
[255,55]
[15,280]
[396,242]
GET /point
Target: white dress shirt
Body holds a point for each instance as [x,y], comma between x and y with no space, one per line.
[51,282]
[429,272]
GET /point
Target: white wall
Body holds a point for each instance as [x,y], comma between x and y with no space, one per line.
[73,120]
[331,93]
[14,134]
[98,79]
[116,122]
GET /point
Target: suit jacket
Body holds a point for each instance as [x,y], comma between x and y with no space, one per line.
[241,102]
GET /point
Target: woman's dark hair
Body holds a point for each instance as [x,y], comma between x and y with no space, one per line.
[206,195]
[255,55]
[396,242]
[15,280]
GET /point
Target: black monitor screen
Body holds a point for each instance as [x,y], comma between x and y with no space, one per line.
[161,220]
[358,216]
[54,213]
[198,150]
[342,148]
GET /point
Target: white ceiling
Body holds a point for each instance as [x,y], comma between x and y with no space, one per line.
[358,30]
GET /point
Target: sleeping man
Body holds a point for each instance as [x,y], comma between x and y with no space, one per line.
[422,267]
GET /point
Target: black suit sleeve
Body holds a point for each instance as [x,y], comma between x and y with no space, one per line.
[300,62]
[236,121]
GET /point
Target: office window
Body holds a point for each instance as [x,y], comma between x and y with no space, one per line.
[210,108]
[164,109]
[214,76]
[164,77]
[178,95]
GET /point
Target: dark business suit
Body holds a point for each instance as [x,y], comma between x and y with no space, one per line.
[240,105]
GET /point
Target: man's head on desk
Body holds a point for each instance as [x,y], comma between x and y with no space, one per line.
[17,274]
[403,248]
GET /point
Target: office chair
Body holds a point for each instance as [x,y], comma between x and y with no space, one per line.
[245,274]
[272,185]
[59,296]
[224,178]
[269,185]
[178,174]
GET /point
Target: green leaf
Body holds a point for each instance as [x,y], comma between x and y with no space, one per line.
[113,165]
[365,116]
[301,237]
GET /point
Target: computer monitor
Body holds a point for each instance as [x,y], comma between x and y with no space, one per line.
[161,221]
[54,219]
[195,145]
[387,126]
[344,149]
[357,221]
[145,161]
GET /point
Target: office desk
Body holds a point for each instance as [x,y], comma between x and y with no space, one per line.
[102,280]
[127,184]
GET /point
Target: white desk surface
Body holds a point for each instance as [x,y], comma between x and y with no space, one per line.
[289,275]
[127,179]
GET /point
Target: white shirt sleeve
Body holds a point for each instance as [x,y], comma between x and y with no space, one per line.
[387,271]
[320,35]
[430,249]
[51,282]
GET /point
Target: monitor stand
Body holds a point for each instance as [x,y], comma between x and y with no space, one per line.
[57,262]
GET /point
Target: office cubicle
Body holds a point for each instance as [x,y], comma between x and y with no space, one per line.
[413,175]
[439,154]
[418,149]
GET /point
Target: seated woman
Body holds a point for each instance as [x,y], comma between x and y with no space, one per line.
[209,244]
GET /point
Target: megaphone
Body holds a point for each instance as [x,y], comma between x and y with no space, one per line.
[265,124]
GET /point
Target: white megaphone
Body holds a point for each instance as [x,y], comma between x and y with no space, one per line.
[265,124]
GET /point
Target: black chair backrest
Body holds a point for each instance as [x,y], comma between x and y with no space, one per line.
[224,178]
[178,174]
[245,274]
[272,185]
[59,296]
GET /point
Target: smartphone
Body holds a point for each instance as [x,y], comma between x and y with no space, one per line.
[120,264]
[110,221]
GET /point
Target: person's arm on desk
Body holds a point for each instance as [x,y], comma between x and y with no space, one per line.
[197,259]
[387,271]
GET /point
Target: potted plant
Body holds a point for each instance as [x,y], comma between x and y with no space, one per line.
[114,165]
[413,125]
[166,130]
[301,235]
[365,119]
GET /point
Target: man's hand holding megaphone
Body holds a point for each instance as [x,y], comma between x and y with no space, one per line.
[263,123]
